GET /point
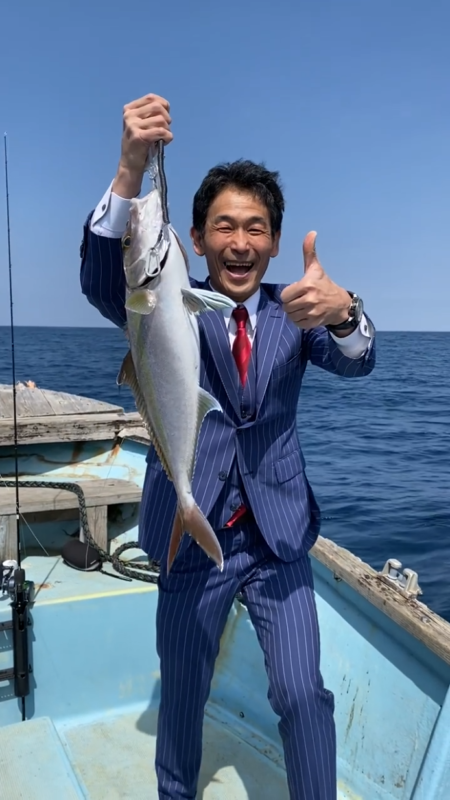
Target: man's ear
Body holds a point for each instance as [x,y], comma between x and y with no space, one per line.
[275,245]
[197,242]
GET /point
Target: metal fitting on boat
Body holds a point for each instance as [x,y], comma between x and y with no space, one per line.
[405,581]
[7,570]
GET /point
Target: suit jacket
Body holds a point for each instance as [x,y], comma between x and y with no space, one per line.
[263,444]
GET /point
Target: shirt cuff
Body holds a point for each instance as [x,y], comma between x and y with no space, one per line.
[111,216]
[356,343]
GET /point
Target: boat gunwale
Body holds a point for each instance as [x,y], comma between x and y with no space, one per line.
[413,616]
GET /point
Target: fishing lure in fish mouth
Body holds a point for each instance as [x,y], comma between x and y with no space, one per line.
[157,254]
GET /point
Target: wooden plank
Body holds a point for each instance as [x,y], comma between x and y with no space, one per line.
[96,492]
[63,403]
[98,526]
[32,403]
[36,402]
[412,615]
[6,405]
[72,428]
[135,432]
[8,537]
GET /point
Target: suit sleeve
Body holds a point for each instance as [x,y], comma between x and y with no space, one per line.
[324,352]
[102,276]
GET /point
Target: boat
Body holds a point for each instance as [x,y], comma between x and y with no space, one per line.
[79,685]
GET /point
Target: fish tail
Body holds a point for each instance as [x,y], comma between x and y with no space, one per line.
[191,520]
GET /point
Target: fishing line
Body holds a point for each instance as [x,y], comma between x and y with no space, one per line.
[13,354]
[162,181]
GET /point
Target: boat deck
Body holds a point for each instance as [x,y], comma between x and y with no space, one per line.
[90,738]
[113,758]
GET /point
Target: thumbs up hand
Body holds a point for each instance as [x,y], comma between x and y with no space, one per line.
[315,299]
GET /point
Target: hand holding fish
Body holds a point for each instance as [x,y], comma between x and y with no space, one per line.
[145,122]
[315,299]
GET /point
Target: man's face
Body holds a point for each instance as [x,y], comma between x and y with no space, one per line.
[237,243]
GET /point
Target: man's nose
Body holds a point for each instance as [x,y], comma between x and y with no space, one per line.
[240,241]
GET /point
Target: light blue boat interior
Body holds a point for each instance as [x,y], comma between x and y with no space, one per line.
[92,711]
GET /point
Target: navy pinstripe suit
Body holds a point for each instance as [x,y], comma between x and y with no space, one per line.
[249,454]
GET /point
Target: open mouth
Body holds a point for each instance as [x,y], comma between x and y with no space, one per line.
[238,269]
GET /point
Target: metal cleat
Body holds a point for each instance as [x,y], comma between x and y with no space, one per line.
[406,581]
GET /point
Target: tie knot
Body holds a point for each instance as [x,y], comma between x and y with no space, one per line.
[240,314]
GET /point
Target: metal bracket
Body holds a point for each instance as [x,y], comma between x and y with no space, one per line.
[405,581]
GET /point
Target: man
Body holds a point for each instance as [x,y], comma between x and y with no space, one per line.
[249,479]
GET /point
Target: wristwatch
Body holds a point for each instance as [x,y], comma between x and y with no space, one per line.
[355,313]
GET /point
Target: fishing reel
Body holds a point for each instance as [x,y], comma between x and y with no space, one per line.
[21,594]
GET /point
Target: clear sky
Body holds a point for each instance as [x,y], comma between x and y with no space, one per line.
[348,99]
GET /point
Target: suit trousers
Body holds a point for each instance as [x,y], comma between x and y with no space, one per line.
[193,606]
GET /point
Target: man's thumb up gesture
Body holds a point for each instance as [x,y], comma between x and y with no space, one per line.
[315,299]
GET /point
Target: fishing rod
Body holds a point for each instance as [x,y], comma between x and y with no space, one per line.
[12,576]
[13,355]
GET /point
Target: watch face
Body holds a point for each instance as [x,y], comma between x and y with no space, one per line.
[358,309]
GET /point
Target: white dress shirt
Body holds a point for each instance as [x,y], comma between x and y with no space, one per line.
[110,220]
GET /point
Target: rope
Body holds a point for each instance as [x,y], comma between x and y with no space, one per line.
[120,566]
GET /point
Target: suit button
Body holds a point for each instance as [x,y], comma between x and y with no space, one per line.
[223,476]
[234,506]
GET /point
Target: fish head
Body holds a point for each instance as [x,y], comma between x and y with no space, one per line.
[145,241]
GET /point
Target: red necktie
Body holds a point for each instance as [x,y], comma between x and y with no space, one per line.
[242,348]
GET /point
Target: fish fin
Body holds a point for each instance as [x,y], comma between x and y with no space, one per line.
[200,300]
[127,375]
[175,539]
[141,301]
[191,520]
[182,248]
[206,403]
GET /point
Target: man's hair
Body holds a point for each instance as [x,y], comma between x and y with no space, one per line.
[246,176]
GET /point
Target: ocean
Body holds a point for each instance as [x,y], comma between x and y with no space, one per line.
[377,449]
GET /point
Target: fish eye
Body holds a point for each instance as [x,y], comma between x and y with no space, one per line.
[126,241]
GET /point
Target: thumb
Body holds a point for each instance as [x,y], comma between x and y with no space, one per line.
[309,251]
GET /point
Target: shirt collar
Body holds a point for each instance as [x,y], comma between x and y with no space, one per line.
[251,305]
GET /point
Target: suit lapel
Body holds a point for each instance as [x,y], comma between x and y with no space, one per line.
[271,319]
[216,334]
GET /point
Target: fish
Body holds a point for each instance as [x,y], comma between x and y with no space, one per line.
[162,366]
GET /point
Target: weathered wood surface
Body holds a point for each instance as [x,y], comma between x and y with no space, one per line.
[44,416]
[8,537]
[35,402]
[134,431]
[70,428]
[98,525]
[415,617]
[97,492]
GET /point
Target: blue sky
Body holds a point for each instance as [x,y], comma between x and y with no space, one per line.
[348,99]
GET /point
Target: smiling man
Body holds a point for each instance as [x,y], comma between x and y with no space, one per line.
[250,476]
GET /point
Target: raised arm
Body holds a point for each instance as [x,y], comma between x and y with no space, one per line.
[145,121]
